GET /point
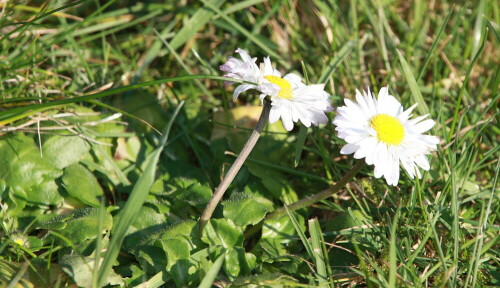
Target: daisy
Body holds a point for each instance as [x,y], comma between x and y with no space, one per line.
[381,131]
[247,70]
[291,99]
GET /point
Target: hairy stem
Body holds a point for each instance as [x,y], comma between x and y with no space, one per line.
[233,171]
[320,196]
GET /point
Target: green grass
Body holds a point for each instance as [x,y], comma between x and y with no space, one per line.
[86,86]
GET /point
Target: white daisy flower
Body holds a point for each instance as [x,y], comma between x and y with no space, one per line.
[291,99]
[380,131]
[247,70]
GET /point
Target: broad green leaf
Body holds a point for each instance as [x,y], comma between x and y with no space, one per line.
[238,262]
[160,246]
[255,209]
[274,182]
[81,184]
[180,230]
[281,228]
[80,225]
[191,191]
[62,151]
[79,268]
[178,252]
[157,228]
[175,249]
[268,250]
[222,232]
[151,257]
[148,216]
[24,169]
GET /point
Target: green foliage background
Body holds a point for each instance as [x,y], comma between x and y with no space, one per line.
[92,194]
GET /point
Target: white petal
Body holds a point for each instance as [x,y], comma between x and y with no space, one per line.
[240,89]
[423,126]
[422,162]
[274,115]
[348,149]
[286,118]
[409,167]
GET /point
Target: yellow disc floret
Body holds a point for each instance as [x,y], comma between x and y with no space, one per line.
[389,129]
[286,87]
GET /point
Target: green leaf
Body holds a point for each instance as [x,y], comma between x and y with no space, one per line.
[238,262]
[256,208]
[268,250]
[177,252]
[222,232]
[79,268]
[27,173]
[81,184]
[192,192]
[175,249]
[62,151]
[151,257]
[274,182]
[180,230]
[281,228]
[80,225]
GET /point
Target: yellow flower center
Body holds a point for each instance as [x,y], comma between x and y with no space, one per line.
[19,241]
[389,129]
[286,88]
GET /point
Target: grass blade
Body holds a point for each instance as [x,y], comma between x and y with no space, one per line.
[434,44]
[412,84]
[208,280]
[335,62]
[299,145]
[134,204]
[200,18]
[301,233]
[392,252]
[14,114]
[320,259]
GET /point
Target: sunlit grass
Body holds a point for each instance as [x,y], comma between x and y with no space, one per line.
[92,69]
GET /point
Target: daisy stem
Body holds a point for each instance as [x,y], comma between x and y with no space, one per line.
[235,168]
[320,196]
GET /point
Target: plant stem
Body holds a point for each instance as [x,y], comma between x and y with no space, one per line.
[320,196]
[233,171]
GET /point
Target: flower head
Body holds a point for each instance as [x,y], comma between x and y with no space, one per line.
[381,131]
[291,99]
[247,70]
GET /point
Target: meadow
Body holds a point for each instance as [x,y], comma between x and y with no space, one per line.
[117,125]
